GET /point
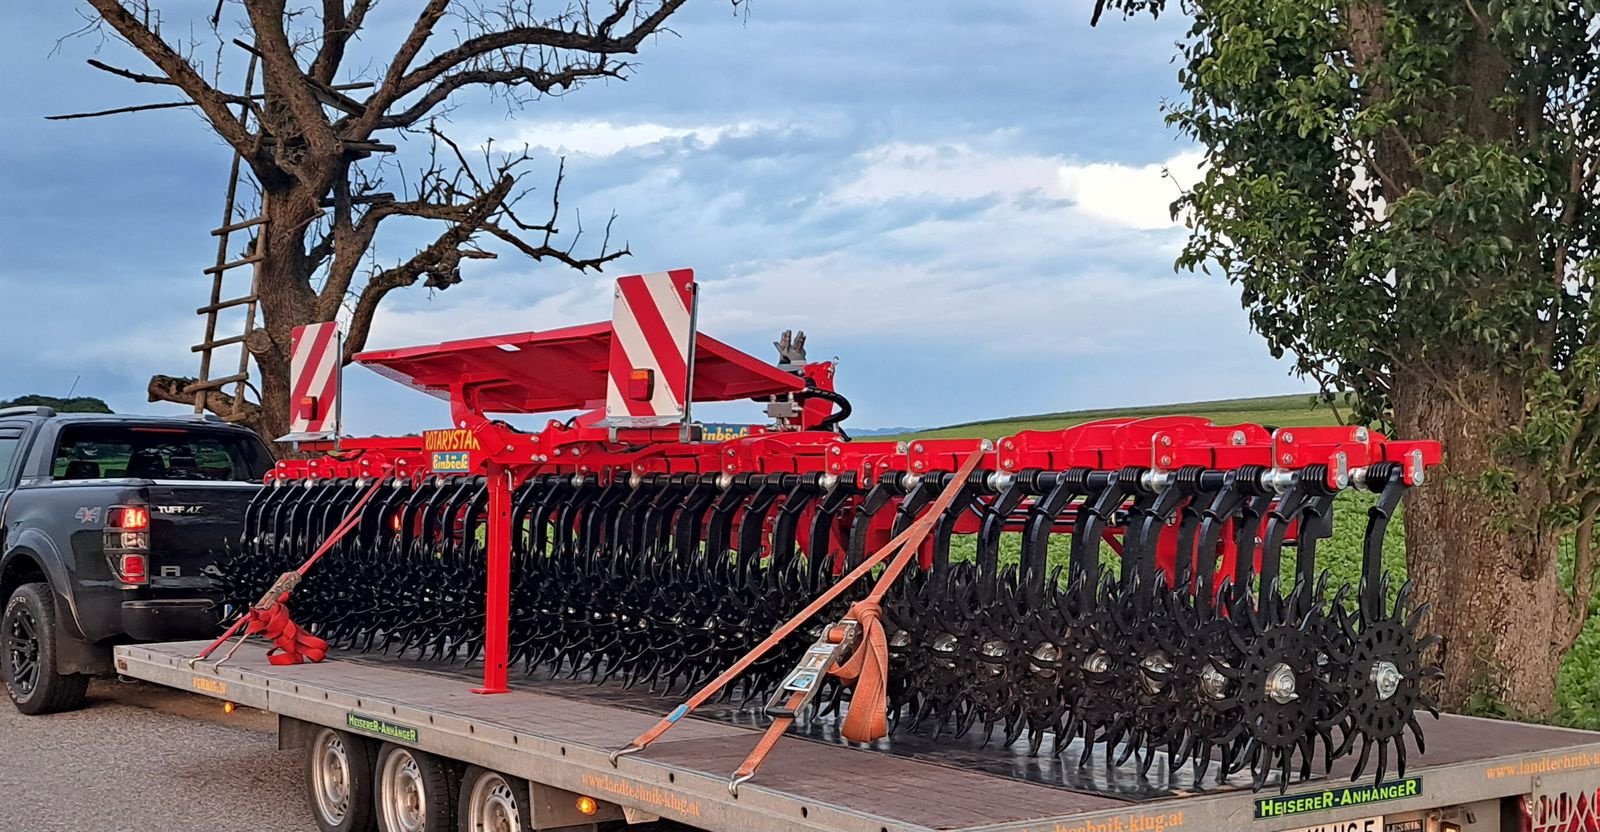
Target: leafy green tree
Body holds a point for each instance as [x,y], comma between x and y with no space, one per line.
[76,404]
[1405,191]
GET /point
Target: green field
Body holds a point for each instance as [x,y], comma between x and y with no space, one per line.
[1578,693]
[1283,411]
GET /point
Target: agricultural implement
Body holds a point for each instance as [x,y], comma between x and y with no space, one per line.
[1126,590]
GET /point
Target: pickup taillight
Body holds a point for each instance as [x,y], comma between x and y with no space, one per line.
[127,544]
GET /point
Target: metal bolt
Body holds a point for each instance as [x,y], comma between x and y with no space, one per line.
[1288,437]
[1361,434]
[1213,683]
[1097,663]
[1009,464]
[919,465]
[1386,677]
[1281,684]
[1166,461]
[835,450]
[1166,440]
[917,447]
[1156,666]
[899,447]
[1238,437]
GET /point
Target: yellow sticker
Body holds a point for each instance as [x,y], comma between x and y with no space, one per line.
[207,684]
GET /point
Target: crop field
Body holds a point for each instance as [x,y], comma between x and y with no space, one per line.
[1578,687]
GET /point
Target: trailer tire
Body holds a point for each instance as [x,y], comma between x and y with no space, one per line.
[494,802]
[339,781]
[28,634]
[415,791]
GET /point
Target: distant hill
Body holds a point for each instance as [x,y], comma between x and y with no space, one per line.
[76,404]
[1278,411]
[875,432]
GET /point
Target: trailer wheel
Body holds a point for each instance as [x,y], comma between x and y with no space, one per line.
[28,655]
[416,791]
[339,781]
[493,802]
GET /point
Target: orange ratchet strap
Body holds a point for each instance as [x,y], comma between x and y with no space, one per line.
[867,667]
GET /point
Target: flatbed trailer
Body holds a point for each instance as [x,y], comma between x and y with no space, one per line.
[1478,775]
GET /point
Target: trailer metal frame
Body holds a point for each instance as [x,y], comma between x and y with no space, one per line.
[562,743]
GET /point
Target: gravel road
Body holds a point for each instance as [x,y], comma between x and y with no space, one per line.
[146,759]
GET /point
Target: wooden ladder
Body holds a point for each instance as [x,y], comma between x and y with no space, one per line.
[219,273]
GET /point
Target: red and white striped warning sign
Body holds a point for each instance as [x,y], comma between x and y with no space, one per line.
[652,326]
[314,380]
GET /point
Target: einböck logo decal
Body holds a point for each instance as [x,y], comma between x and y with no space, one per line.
[452,461]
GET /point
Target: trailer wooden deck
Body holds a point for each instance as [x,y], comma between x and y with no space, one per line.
[560,733]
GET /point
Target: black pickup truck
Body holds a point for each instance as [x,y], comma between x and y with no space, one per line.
[110,532]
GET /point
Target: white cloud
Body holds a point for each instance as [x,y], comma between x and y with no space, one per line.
[605,138]
[1127,196]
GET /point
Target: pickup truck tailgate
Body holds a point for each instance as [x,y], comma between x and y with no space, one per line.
[192,527]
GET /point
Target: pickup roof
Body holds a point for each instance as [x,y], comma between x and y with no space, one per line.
[110,532]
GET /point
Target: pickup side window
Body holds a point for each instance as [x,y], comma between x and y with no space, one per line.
[91,452]
[10,451]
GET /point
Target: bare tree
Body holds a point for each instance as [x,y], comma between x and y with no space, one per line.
[309,144]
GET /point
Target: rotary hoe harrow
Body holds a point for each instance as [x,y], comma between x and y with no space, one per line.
[1127,589]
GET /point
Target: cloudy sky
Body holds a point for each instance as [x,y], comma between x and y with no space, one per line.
[965,202]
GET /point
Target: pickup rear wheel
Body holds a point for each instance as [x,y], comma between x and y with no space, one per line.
[28,655]
[493,802]
[339,781]
[416,791]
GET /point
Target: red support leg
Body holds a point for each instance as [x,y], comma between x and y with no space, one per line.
[497,607]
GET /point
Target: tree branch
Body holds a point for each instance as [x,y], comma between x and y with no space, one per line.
[170,389]
[596,42]
[390,90]
[441,260]
[540,79]
[1583,573]
[283,78]
[180,73]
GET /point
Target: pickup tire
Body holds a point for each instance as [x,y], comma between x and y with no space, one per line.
[28,636]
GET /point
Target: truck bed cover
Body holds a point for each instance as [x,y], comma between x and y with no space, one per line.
[559,733]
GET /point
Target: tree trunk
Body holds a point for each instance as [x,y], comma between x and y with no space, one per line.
[1488,572]
[287,301]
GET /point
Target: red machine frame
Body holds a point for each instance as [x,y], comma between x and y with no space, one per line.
[565,370]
